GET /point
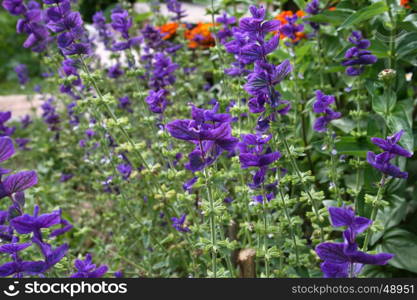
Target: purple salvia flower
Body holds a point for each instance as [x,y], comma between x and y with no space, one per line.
[104,32]
[22,73]
[65,177]
[390,144]
[188,185]
[344,259]
[124,103]
[51,256]
[345,216]
[226,32]
[382,161]
[125,170]
[26,223]
[121,22]
[115,71]
[22,143]
[26,121]
[313,8]
[291,28]
[19,182]
[340,262]
[157,101]
[4,129]
[209,131]
[50,116]
[14,7]
[179,223]
[86,268]
[357,57]
[118,274]
[321,105]
[175,7]
[20,268]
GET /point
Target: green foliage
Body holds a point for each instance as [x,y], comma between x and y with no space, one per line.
[12,52]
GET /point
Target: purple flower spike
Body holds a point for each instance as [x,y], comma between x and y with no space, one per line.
[22,73]
[382,161]
[121,22]
[322,102]
[357,57]
[321,105]
[209,131]
[175,7]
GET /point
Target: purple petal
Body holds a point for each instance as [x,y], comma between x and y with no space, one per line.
[372,259]
[341,216]
[20,181]
[332,270]
[6,148]
[332,252]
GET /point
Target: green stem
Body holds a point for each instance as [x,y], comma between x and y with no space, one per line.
[212,226]
[333,172]
[298,172]
[265,235]
[287,215]
[374,211]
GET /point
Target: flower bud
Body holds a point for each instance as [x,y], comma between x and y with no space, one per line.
[387,75]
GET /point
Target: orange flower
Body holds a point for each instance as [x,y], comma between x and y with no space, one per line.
[168,30]
[405,3]
[299,36]
[282,17]
[200,36]
[300,14]
[332,8]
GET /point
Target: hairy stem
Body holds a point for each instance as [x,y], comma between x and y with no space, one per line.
[374,211]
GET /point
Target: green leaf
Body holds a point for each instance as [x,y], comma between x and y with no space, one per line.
[300,52]
[300,3]
[406,45]
[401,119]
[349,145]
[344,124]
[384,104]
[379,48]
[409,23]
[334,17]
[142,17]
[403,244]
[364,14]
